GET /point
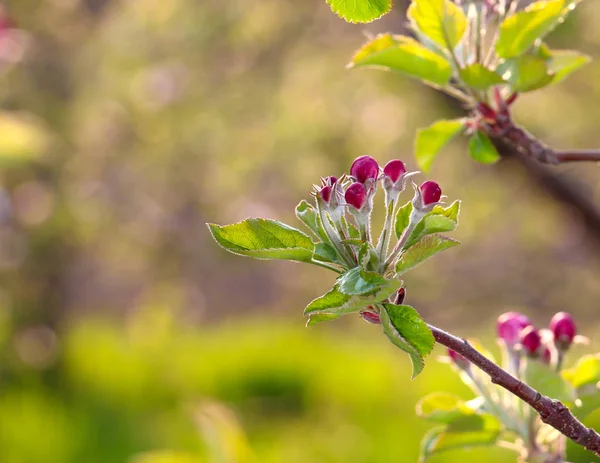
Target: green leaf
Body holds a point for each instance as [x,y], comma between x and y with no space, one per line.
[466,431]
[264,239]
[326,253]
[335,303]
[308,215]
[423,250]
[548,382]
[563,63]
[442,21]
[405,328]
[585,372]
[452,211]
[526,73]
[360,11]
[518,32]
[432,223]
[442,407]
[357,281]
[405,55]
[478,76]
[430,140]
[482,149]
[403,219]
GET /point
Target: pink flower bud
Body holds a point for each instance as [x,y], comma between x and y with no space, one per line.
[400,296]
[458,359]
[563,328]
[394,169]
[356,195]
[509,326]
[364,168]
[371,317]
[530,340]
[431,192]
[546,355]
[325,193]
[331,180]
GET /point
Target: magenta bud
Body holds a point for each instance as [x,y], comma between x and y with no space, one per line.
[394,169]
[546,356]
[371,317]
[431,192]
[509,326]
[325,193]
[332,180]
[564,330]
[356,195]
[400,296]
[530,340]
[364,168]
[458,359]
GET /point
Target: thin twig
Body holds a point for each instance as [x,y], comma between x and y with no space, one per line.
[552,412]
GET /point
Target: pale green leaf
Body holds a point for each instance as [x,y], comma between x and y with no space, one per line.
[405,55]
[443,407]
[442,21]
[481,149]
[585,372]
[423,250]
[264,239]
[326,253]
[548,382]
[405,328]
[309,216]
[452,211]
[358,281]
[464,432]
[402,219]
[526,73]
[430,140]
[433,222]
[360,11]
[518,32]
[335,303]
[479,77]
[563,63]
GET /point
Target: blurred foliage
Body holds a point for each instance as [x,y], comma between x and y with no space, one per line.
[126,125]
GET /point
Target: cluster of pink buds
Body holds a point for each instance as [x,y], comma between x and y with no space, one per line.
[518,334]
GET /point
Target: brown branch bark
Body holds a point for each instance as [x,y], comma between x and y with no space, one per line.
[552,412]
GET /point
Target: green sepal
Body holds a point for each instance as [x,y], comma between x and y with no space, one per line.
[264,239]
[423,250]
[405,328]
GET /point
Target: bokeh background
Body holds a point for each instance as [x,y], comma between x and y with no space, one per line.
[127,335]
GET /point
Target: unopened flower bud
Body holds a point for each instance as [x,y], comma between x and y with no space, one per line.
[431,192]
[371,317]
[530,340]
[564,330]
[546,356]
[509,327]
[325,193]
[400,296]
[364,168]
[356,195]
[458,359]
[394,169]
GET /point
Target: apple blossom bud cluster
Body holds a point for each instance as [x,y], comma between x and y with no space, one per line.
[520,337]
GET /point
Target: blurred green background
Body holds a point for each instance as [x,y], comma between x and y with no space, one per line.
[126,335]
